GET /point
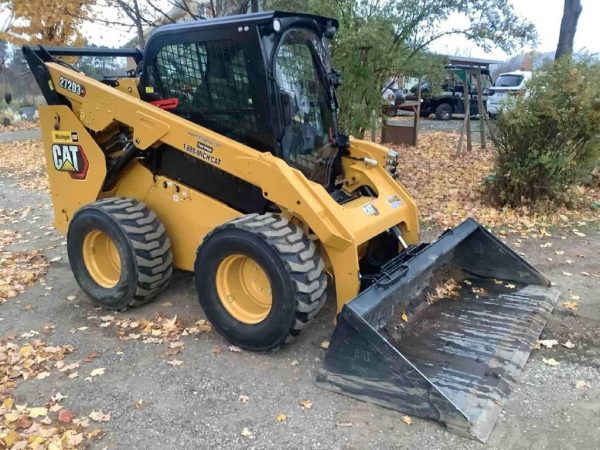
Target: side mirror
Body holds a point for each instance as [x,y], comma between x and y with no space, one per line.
[287,107]
[7,97]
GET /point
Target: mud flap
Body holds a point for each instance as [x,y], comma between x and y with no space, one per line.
[444,333]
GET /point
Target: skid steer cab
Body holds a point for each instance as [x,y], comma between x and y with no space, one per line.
[219,153]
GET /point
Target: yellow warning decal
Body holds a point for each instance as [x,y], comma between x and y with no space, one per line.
[65,137]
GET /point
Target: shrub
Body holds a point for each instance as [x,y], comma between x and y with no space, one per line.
[549,140]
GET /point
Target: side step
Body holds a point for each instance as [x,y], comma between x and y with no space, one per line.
[446,335]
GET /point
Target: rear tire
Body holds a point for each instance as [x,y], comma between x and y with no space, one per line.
[285,288]
[119,253]
[443,112]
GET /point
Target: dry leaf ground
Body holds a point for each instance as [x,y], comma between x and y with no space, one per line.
[197,404]
[447,190]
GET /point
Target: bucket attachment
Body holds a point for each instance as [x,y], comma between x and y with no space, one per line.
[443,333]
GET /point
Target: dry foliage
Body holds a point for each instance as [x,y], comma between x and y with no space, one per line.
[19,126]
[18,269]
[447,289]
[448,189]
[46,426]
[25,159]
[160,330]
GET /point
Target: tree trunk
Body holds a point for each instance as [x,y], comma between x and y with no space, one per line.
[568,26]
[138,25]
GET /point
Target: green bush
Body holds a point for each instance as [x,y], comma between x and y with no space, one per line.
[549,140]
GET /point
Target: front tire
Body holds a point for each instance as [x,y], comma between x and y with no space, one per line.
[443,112]
[119,253]
[259,280]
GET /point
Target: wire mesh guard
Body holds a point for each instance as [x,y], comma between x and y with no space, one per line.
[298,79]
[210,79]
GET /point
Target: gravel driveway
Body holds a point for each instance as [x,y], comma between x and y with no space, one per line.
[155,405]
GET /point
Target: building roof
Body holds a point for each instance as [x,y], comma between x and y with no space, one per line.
[474,62]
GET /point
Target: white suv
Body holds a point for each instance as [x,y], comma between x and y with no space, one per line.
[507,85]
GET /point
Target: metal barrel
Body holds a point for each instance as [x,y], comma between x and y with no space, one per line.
[444,334]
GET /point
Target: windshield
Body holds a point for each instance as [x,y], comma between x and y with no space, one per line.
[508,81]
[308,118]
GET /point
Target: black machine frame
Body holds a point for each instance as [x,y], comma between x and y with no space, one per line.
[257,36]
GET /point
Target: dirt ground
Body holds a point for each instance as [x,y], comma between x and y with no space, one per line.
[153,404]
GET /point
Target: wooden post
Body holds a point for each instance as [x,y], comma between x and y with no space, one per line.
[482,111]
[417,114]
[467,108]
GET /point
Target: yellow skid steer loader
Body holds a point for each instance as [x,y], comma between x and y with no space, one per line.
[220,154]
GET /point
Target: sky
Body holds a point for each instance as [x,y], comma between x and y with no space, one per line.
[546,16]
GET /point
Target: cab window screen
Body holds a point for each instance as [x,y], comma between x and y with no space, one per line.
[210,79]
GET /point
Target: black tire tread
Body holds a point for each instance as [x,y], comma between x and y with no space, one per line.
[149,241]
[300,255]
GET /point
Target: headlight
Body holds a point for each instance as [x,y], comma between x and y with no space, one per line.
[276,25]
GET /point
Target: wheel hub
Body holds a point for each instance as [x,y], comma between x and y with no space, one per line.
[244,288]
[102,259]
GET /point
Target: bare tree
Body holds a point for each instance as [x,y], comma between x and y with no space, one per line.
[568,27]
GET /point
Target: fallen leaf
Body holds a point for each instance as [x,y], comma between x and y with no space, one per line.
[306,404]
[404,317]
[568,344]
[139,404]
[65,416]
[581,384]
[216,350]
[567,274]
[73,375]
[510,286]
[56,407]
[243,398]
[99,416]
[572,306]
[90,357]
[234,348]
[281,418]
[42,375]
[175,362]
[94,433]
[71,297]
[37,412]
[548,343]
[246,432]
[97,372]
[407,420]
[72,439]
[325,344]
[58,397]
[550,361]
[559,252]
[294,363]
[23,423]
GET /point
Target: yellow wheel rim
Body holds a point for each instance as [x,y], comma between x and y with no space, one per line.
[244,288]
[102,259]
